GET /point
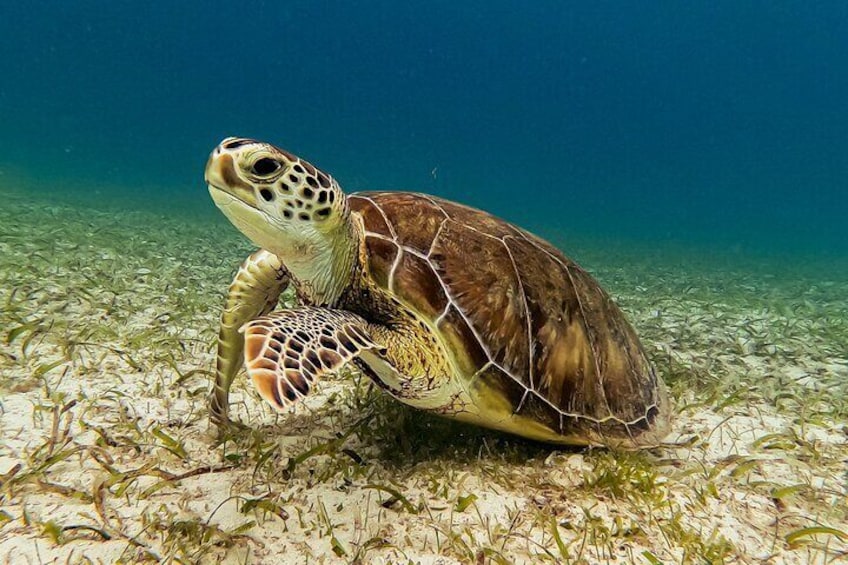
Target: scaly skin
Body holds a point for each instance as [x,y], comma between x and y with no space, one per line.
[254,292]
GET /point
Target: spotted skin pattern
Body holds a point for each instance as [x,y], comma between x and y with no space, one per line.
[302,192]
[286,352]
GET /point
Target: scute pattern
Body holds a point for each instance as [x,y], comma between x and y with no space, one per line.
[499,312]
[415,279]
[415,220]
[382,254]
[454,326]
[373,217]
[533,326]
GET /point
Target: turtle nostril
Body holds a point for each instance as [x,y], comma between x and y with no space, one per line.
[235,142]
[266,194]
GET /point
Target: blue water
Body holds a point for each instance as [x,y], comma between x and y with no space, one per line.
[720,123]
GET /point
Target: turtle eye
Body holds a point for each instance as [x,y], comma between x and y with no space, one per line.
[265,166]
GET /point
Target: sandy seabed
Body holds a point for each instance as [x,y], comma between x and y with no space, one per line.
[107,336]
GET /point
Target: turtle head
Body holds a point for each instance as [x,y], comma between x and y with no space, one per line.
[283,204]
[272,196]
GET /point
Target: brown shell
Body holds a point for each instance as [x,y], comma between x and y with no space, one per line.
[529,323]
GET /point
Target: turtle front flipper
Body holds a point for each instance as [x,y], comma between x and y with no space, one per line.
[286,352]
[254,292]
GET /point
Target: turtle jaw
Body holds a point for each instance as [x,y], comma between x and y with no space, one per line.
[324,261]
[237,199]
[252,222]
[221,174]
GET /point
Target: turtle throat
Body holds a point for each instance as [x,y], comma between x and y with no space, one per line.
[319,256]
[321,263]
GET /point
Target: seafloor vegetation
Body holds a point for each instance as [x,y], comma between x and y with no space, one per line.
[107,334]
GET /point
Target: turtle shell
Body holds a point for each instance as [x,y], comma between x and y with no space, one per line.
[527,325]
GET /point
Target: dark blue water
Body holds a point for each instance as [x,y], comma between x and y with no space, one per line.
[716,122]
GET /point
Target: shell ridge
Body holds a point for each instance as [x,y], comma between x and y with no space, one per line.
[583,322]
[393,270]
[653,403]
[379,209]
[404,248]
[487,351]
[436,236]
[484,234]
[433,201]
[531,349]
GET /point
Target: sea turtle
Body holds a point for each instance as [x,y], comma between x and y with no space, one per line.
[447,308]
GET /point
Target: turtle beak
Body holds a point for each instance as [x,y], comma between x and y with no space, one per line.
[221,175]
[209,161]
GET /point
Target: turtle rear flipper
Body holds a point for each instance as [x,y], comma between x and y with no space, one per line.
[286,352]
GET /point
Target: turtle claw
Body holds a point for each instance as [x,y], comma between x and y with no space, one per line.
[226,429]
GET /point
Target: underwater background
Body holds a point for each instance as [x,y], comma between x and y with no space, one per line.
[692,156]
[709,124]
